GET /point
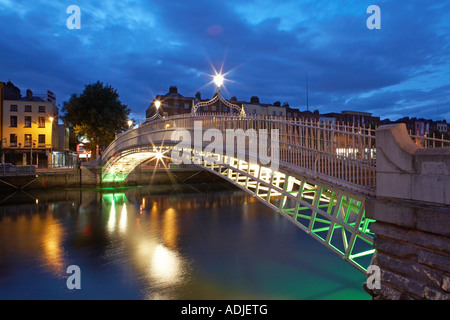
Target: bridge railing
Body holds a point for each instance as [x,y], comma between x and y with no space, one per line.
[430,141]
[333,152]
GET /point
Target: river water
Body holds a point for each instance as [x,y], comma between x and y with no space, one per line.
[162,243]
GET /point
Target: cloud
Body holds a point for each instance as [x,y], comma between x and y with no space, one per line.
[142,47]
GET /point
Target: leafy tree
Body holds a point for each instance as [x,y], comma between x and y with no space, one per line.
[97,113]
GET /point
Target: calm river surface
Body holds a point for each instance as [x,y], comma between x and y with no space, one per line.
[161,243]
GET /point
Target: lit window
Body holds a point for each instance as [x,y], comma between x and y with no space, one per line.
[13,140]
[27,122]
[41,140]
[41,122]
[13,121]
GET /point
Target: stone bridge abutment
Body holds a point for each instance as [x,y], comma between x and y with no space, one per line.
[412,213]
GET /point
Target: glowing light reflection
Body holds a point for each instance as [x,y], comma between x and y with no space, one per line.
[112,218]
[52,247]
[165,265]
[123,219]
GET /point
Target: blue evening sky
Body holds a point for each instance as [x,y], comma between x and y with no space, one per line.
[266,47]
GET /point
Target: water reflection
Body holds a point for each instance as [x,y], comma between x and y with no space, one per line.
[52,244]
[137,243]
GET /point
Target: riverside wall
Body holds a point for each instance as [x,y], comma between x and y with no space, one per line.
[88,176]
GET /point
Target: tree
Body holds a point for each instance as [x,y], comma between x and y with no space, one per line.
[97,113]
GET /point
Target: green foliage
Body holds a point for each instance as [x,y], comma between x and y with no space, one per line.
[97,113]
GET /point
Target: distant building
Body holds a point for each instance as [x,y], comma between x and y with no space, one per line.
[351,118]
[172,103]
[418,127]
[442,127]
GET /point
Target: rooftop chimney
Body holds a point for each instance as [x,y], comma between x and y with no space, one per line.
[173,90]
[29,94]
[254,100]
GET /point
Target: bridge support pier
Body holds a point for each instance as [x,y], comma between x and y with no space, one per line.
[412,213]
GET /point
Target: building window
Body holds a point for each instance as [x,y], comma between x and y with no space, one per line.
[176,105]
[27,122]
[13,121]
[274,113]
[13,140]
[41,109]
[27,141]
[13,107]
[41,140]
[289,114]
[41,122]
[186,105]
[28,109]
[205,108]
[213,108]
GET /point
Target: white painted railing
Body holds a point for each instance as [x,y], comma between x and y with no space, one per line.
[336,153]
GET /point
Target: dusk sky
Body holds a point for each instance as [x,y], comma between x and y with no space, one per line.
[266,47]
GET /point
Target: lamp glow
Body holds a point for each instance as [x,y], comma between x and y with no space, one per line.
[218,80]
[130,122]
[157,104]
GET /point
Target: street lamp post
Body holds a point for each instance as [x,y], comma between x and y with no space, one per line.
[31,153]
[51,141]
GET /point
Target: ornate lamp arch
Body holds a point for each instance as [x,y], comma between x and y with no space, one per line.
[157,114]
[218,80]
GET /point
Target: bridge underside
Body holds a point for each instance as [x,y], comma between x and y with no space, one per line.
[120,166]
[333,216]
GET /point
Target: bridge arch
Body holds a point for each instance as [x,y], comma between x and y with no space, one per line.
[330,209]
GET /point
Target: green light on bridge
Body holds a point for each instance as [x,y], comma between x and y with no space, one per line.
[119,177]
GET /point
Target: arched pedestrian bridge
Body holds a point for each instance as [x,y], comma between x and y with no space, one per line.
[317,175]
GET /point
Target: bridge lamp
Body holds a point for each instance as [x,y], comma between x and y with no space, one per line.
[158,155]
[157,104]
[130,123]
[218,80]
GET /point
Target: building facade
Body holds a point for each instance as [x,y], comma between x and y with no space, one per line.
[29,128]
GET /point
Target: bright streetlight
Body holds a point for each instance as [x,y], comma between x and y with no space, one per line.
[130,123]
[218,79]
[157,104]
